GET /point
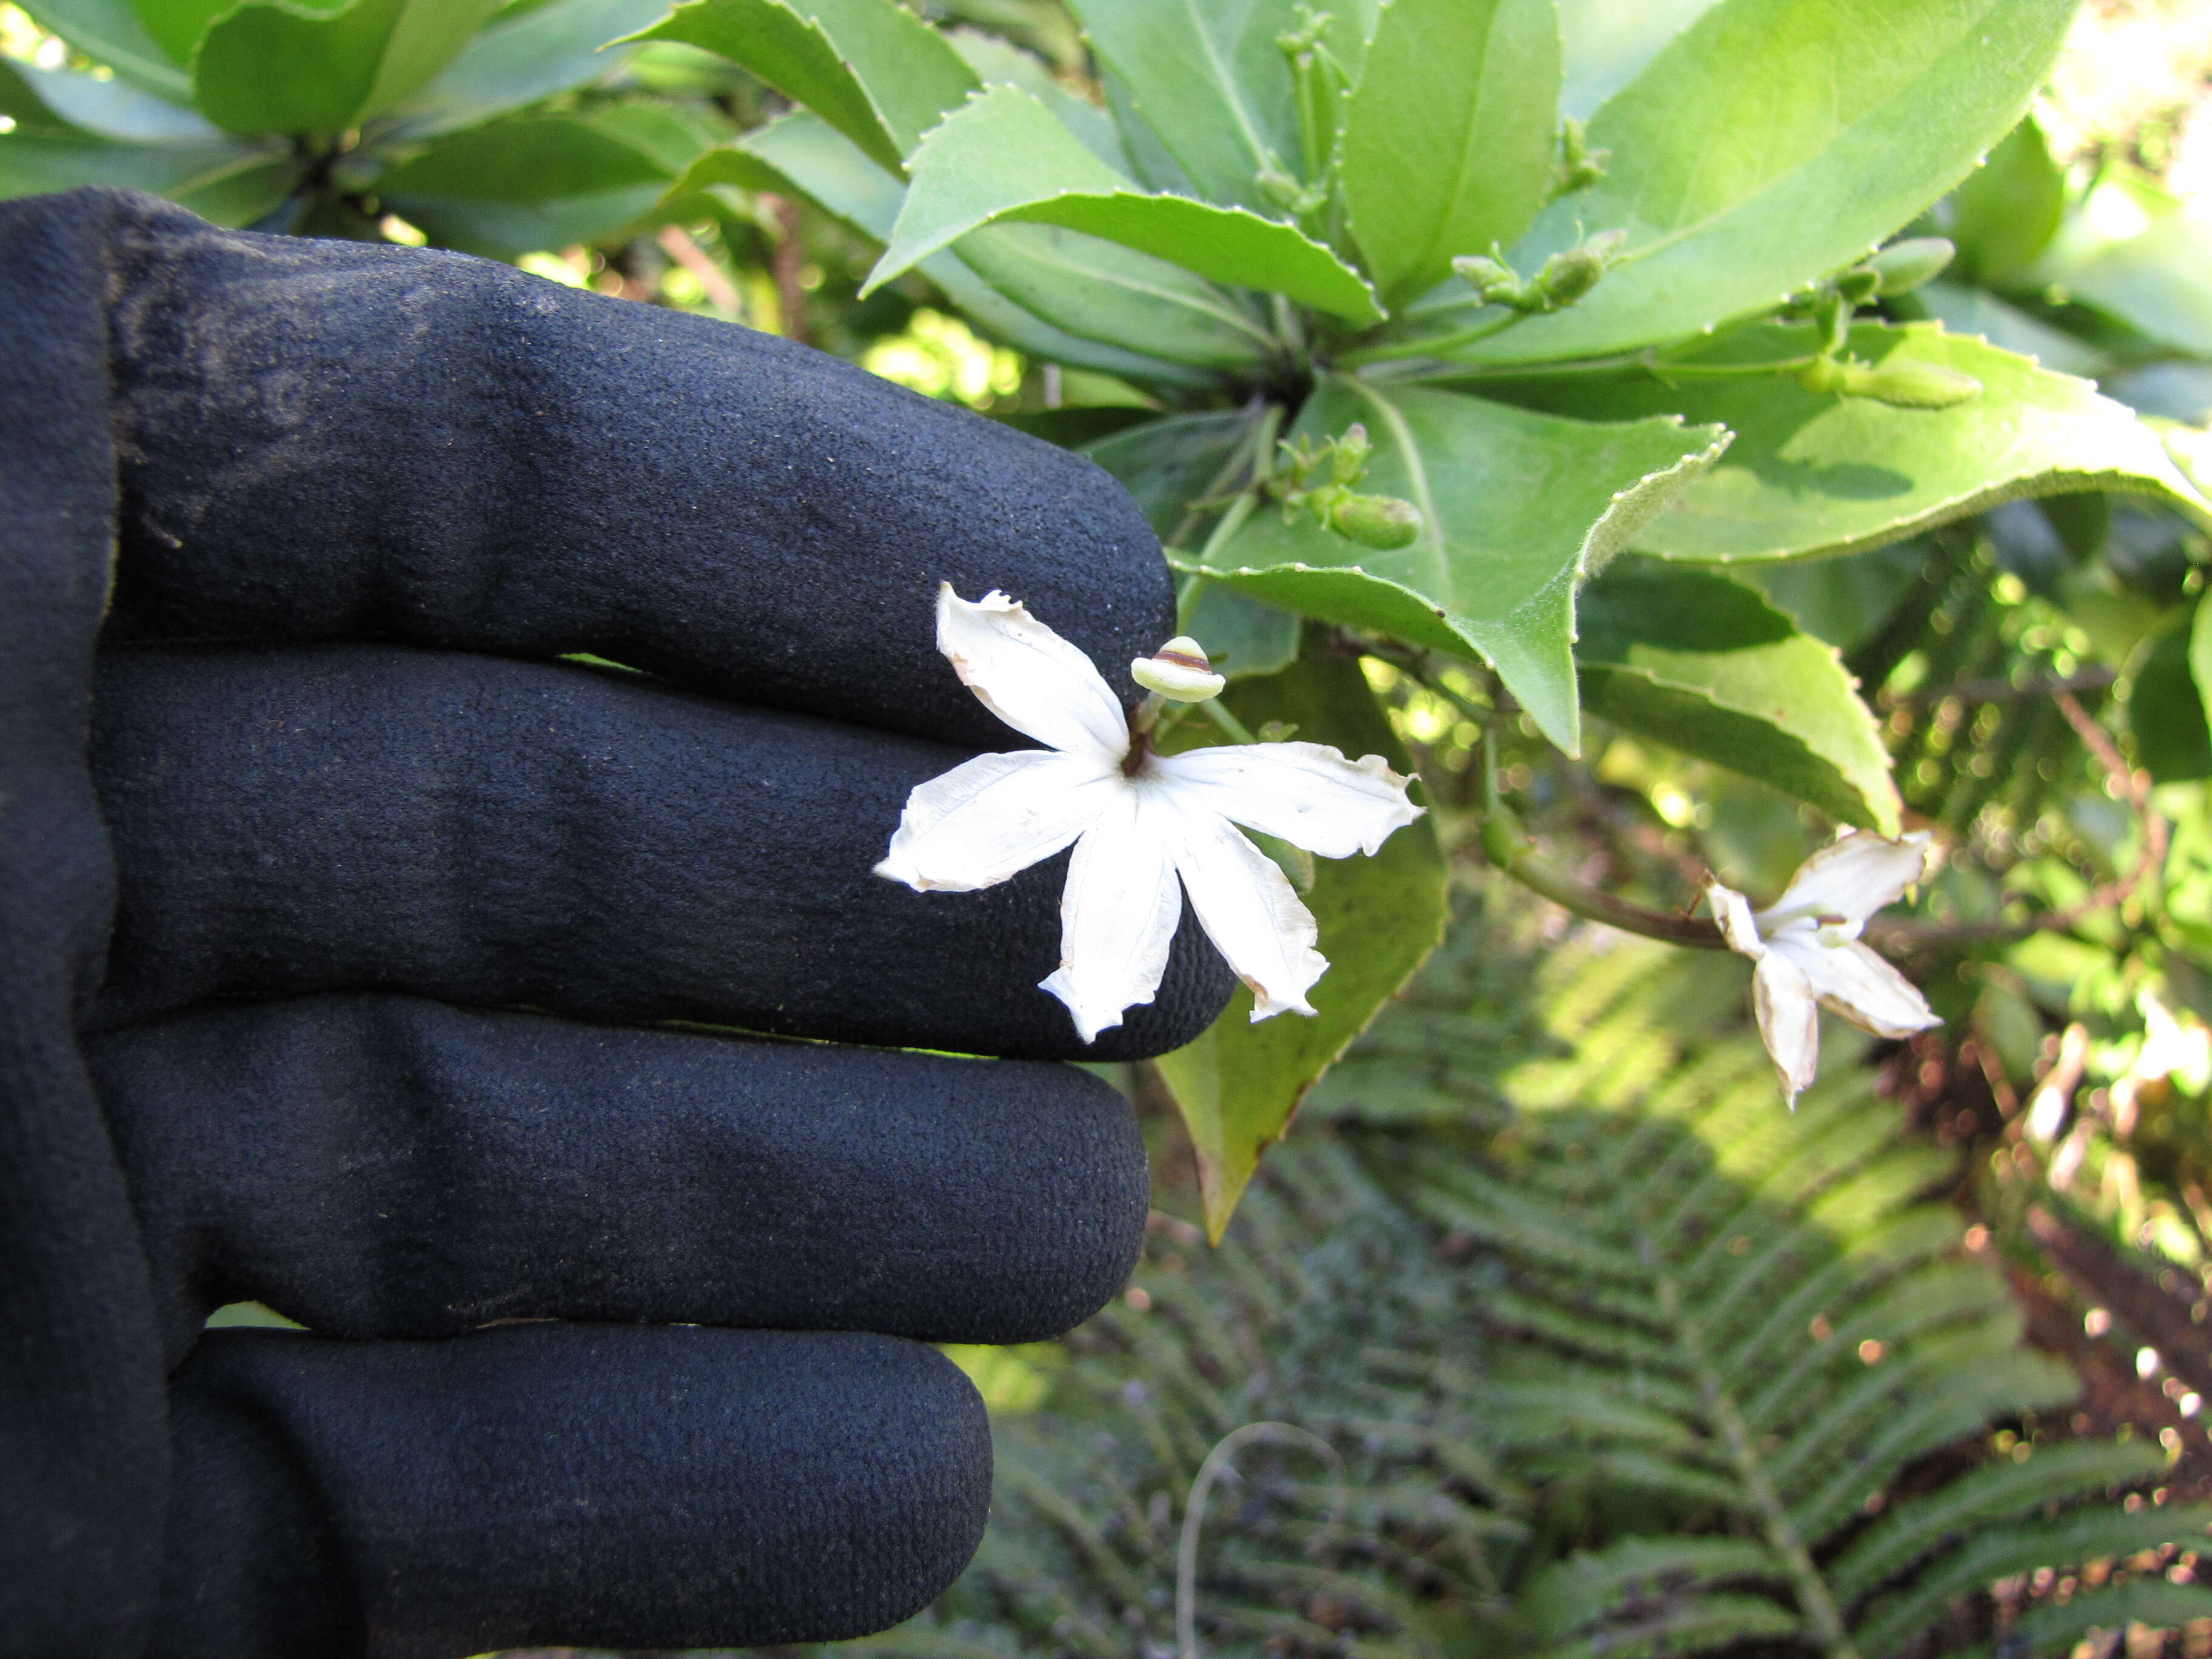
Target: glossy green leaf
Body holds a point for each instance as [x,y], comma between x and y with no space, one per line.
[999,63]
[111,33]
[1167,464]
[1209,82]
[1813,473]
[1736,182]
[1608,43]
[1239,1084]
[178,26]
[1705,665]
[1003,157]
[228,183]
[2158,283]
[2167,708]
[115,109]
[804,154]
[22,106]
[531,181]
[1450,142]
[265,69]
[1976,310]
[516,62]
[1518,509]
[870,68]
[2008,208]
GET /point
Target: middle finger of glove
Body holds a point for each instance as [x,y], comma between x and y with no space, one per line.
[509,834]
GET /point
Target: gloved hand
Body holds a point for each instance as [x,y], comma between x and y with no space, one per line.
[364,958]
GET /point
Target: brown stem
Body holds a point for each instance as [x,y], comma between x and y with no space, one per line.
[720,291]
[785,265]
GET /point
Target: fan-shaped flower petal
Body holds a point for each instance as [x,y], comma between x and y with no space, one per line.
[1851,980]
[1789,1022]
[1851,878]
[1029,677]
[1305,794]
[1118,912]
[1251,912]
[994,816]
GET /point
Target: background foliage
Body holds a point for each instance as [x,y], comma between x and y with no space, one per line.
[1671,615]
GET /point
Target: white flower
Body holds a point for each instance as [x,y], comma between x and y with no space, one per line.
[1147,828]
[1807,948]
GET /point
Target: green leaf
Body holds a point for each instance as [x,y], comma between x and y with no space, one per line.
[528,182]
[115,109]
[1976,310]
[178,26]
[1813,473]
[1003,157]
[2166,707]
[1239,1084]
[517,62]
[1705,665]
[1608,43]
[870,68]
[111,33]
[803,154]
[264,68]
[1449,141]
[1169,464]
[1517,509]
[1210,83]
[999,63]
[1735,184]
[2154,282]
[1243,636]
[2008,208]
[2051,1631]
[229,184]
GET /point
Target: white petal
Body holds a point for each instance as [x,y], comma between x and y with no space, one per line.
[1306,793]
[1030,676]
[1117,914]
[994,816]
[1251,912]
[1859,985]
[1789,1022]
[1852,878]
[1733,912]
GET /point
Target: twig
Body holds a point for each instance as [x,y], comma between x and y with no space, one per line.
[1998,690]
[785,264]
[720,291]
[2134,786]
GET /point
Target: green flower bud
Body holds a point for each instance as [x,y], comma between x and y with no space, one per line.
[1832,316]
[1493,281]
[1279,188]
[1910,385]
[1348,459]
[1381,522]
[1572,272]
[1858,285]
[1906,265]
[1179,671]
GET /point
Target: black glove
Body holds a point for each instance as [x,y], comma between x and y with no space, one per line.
[361,969]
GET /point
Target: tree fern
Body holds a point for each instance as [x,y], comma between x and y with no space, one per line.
[1650,1366]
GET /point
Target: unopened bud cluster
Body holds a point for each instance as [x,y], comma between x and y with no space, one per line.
[1385,523]
[1896,268]
[1565,277]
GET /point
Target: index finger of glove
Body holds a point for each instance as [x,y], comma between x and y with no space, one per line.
[324,439]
